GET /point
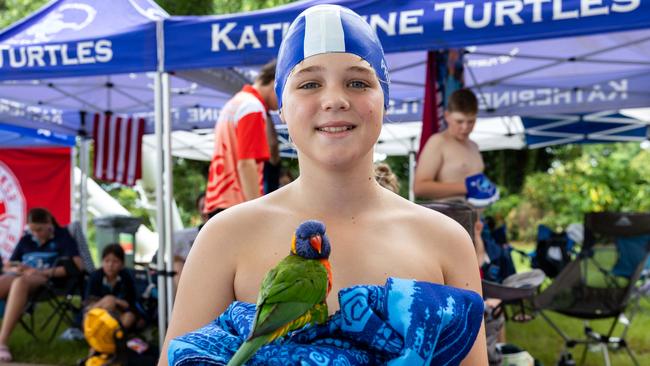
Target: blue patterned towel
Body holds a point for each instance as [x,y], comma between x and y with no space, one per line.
[405,322]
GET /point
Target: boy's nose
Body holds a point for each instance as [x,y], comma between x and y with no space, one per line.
[335,99]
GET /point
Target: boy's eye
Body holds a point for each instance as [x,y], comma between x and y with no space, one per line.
[308,85]
[358,84]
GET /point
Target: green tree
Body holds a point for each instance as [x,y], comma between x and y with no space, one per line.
[235,6]
[581,179]
[192,7]
[12,11]
[508,168]
[190,178]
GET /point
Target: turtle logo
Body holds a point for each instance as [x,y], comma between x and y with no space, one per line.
[74,16]
[12,211]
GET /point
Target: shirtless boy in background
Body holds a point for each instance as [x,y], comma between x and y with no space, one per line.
[450,165]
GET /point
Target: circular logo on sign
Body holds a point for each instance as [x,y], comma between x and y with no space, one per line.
[12,211]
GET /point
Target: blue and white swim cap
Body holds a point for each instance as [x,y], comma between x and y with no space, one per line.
[327,29]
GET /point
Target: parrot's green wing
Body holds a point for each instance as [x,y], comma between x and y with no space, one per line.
[288,292]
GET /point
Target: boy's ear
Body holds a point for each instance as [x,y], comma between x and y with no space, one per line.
[281,116]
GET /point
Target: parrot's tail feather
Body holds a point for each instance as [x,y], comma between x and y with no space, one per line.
[246,351]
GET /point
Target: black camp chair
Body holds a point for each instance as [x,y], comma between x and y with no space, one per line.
[599,283]
[61,295]
[64,295]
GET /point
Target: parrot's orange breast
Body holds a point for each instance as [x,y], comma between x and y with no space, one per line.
[328,267]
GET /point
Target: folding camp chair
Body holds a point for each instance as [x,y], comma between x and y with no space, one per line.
[599,283]
[553,251]
[147,293]
[60,294]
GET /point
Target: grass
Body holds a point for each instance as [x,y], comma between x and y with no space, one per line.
[536,336]
[25,349]
[543,343]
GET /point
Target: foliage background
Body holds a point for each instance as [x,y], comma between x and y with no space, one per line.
[579,179]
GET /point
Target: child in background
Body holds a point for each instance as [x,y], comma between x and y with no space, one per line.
[386,178]
[112,288]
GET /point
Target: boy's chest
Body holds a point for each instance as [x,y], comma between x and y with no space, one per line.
[460,162]
[357,257]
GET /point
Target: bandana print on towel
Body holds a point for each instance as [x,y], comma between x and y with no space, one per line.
[403,323]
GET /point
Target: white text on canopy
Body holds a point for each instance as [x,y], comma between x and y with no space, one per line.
[230,37]
[86,52]
[495,13]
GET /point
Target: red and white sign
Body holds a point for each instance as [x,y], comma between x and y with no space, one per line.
[12,210]
[32,177]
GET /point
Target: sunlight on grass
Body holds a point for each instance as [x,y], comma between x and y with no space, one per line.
[543,343]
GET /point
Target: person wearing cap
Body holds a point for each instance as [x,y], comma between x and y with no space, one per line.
[332,85]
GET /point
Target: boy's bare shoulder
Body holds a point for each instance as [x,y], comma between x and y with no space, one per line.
[438,139]
[236,226]
[445,239]
[425,221]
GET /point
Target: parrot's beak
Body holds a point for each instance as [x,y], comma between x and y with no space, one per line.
[316,242]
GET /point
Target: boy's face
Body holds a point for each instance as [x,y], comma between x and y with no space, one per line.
[459,124]
[111,265]
[41,232]
[333,108]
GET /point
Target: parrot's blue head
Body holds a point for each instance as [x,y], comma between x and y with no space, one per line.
[310,241]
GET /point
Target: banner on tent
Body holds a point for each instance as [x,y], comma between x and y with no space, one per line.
[253,38]
[72,39]
[444,77]
[33,177]
[601,127]
[566,96]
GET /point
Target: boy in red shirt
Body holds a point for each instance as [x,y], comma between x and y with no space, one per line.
[240,145]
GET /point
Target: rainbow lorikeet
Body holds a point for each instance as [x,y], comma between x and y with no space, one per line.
[293,293]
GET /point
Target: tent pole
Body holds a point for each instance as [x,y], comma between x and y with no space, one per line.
[169,189]
[160,207]
[412,170]
[84,157]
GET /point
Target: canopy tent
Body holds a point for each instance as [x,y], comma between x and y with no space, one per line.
[585,56]
[579,74]
[529,77]
[77,38]
[83,41]
[63,39]
[37,102]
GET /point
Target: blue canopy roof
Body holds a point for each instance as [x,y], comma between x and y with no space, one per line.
[565,56]
[589,69]
[251,37]
[81,37]
[95,56]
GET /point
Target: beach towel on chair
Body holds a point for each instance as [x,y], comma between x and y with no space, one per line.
[405,322]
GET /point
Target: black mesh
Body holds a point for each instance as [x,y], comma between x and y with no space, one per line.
[588,288]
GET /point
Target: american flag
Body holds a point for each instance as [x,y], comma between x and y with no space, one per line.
[118,148]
